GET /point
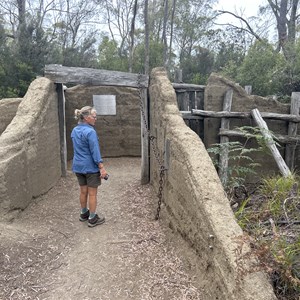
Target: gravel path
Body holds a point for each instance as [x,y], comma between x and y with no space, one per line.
[48,254]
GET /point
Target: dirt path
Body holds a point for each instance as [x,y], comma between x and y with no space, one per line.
[48,254]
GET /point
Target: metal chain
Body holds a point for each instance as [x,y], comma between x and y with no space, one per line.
[154,149]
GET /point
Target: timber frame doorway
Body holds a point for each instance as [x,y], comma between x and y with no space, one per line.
[95,77]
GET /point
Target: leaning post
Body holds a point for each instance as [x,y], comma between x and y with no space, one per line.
[284,169]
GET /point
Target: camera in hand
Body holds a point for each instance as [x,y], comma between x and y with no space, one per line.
[106,177]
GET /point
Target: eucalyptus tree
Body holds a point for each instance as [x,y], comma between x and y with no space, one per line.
[47,31]
[147,37]
[75,31]
[264,69]
[192,21]
[285,13]
[121,21]
[287,17]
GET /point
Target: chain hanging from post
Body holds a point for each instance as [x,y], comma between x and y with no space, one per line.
[155,150]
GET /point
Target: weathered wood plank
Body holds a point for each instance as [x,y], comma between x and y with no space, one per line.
[292,130]
[224,153]
[145,160]
[244,115]
[188,87]
[62,128]
[285,171]
[248,89]
[188,116]
[284,139]
[87,76]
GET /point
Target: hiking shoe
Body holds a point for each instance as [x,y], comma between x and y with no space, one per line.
[96,221]
[84,217]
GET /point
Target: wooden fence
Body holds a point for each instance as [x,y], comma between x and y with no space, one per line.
[190,99]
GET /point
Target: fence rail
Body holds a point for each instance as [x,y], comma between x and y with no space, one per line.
[192,110]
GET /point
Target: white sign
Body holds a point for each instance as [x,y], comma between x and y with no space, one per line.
[105,104]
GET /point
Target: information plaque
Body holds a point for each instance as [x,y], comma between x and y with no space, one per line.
[105,104]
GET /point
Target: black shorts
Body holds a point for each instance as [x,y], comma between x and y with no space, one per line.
[91,179]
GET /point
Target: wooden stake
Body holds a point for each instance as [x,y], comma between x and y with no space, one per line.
[285,171]
[292,130]
[225,122]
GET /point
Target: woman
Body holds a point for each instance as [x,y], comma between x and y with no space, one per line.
[87,164]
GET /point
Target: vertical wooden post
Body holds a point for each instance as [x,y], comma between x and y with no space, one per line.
[292,131]
[62,128]
[178,75]
[270,142]
[192,99]
[186,101]
[248,89]
[223,162]
[145,163]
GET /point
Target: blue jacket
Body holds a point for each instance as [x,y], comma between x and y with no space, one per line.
[87,154]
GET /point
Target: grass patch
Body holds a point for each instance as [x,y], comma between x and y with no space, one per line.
[271,216]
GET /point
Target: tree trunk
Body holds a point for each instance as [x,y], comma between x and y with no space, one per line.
[132,31]
[171,33]
[146,21]
[286,25]
[164,33]
[292,22]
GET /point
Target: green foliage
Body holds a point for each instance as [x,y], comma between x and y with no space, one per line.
[231,45]
[109,57]
[155,56]
[291,73]
[240,163]
[230,70]
[263,216]
[279,191]
[197,66]
[262,68]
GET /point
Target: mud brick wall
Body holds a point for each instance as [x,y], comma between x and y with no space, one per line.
[8,109]
[120,134]
[29,149]
[195,204]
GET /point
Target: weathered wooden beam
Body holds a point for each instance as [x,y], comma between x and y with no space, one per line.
[285,171]
[244,115]
[145,160]
[284,139]
[62,128]
[292,131]
[248,89]
[224,153]
[87,76]
[186,115]
[188,87]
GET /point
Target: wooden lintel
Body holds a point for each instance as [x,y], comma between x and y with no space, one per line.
[87,76]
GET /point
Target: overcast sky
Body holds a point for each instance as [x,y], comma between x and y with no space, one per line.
[248,8]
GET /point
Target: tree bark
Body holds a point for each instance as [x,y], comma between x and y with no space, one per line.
[171,33]
[132,32]
[164,33]
[147,50]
